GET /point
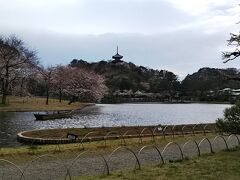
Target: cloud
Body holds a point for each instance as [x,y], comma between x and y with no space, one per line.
[92,16]
[203,6]
[118,16]
[183,52]
[179,35]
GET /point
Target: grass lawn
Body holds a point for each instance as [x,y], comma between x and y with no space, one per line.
[38,104]
[219,166]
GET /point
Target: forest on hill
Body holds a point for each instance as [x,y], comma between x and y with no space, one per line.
[212,84]
[126,80]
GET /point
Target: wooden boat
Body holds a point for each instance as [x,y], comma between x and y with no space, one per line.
[58,115]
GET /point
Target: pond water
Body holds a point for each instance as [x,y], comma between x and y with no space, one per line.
[111,115]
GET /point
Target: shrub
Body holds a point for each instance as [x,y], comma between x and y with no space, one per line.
[231,121]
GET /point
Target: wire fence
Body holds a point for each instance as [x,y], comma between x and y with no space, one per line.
[137,132]
[50,166]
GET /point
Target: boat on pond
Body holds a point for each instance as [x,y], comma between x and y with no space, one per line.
[54,115]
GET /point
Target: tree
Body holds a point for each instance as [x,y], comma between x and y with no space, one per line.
[80,82]
[227,56]
[60,79]
[46,75]
[20,87]
[14,58]
[233,41]
[231,121]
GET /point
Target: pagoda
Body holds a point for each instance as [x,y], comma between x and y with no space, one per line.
[117,57]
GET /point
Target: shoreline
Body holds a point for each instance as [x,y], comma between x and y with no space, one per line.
[83,105]
[160,102]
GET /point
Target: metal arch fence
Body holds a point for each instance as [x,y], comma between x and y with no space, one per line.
[59,161]
[194,142]
[135,153]
[163,131]
[194,127]
[173,130]
[168,130]
[57,147]
[176,144]
[156,129]
[119,135]
[204,129]
[221,137]
[161,159]
[209,142]
[106,164]
[182,129]
[128,149]
[149,130]
[79,156]
[15,166]
[85,137]
[137,133]
[234,135]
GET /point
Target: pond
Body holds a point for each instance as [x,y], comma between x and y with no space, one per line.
[112,115]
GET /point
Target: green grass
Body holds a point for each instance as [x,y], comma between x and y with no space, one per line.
[224,165]
[3,105]
[15,103]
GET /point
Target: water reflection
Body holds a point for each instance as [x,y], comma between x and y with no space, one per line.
[111,115]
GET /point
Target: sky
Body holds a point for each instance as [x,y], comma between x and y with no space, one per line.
[177,35]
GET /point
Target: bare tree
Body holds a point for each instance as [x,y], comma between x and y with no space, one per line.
[227,56]
[14,57]
[233,41]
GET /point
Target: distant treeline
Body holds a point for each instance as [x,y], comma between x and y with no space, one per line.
[127,80]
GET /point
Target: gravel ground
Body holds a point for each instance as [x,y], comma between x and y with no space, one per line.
[55,167]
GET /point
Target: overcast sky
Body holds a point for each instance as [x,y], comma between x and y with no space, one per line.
[178,35]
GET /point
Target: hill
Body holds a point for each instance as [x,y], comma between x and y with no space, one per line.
[210,83]
[129,82]
[125,79]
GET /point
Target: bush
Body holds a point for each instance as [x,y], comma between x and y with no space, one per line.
[231,121]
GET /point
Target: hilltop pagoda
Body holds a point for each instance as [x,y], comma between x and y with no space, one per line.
[117,57]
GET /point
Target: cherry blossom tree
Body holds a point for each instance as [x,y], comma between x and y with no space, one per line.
[83,83]
[60,79]
[73,82]
[20,87]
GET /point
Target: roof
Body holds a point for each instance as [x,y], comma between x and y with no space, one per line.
[117,56]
